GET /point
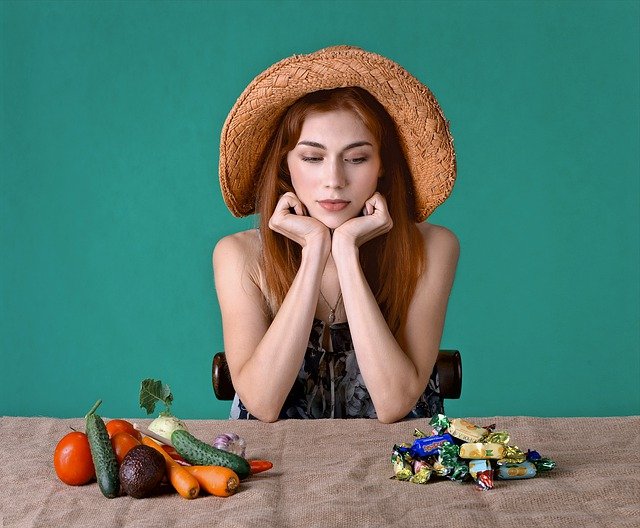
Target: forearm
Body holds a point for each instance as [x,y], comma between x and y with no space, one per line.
[266,378]
[389,375]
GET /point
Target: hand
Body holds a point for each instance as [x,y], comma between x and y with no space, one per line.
[297,225]
[375,222]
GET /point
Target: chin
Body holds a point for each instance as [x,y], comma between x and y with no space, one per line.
[333,221]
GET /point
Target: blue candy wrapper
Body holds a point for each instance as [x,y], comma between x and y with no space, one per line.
[429,446]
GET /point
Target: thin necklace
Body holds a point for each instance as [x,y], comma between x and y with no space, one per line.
[332,311]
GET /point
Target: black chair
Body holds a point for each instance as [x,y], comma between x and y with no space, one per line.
[449,364]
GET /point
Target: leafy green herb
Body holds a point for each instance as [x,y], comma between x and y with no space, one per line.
[153,391]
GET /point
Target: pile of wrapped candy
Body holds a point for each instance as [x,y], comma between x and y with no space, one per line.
[459,450]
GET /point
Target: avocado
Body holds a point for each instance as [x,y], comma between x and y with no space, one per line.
[141,471]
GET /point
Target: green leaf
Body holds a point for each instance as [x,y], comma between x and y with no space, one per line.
[153,391]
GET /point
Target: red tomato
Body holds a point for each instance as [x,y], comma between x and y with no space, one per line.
[122,443]
[72,459]
[116,426]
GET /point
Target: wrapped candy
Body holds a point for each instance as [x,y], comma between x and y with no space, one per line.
[429,445]
[417,433]
[440,423]
[482,472]
[521,470]
[500,437]
[513,455]
[484,480]
[542,464]
[449,465]
[466,431]
[482,450]
[422,476]
[460,450]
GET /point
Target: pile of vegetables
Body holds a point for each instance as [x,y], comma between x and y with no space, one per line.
[127,458]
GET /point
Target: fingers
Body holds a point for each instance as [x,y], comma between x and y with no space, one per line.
[375,222]
[377,206]
[290,219]
[290,201]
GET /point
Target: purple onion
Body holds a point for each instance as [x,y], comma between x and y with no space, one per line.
[230,442]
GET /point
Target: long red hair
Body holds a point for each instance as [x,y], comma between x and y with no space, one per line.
[393,262]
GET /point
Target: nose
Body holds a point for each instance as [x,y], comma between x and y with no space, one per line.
[334,177]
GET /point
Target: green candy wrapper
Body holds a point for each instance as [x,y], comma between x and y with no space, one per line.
[439,422]
[449,454]
[544,464]
[449,465]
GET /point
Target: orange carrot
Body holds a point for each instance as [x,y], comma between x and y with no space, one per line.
[184,482]
[217,480]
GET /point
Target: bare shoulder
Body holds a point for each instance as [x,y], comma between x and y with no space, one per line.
[238,254]
[439,241]
[441,250]
[243,244]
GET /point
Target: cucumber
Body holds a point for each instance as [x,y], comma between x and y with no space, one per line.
[104,459]
[198,453]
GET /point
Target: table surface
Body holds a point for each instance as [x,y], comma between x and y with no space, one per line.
[337,473]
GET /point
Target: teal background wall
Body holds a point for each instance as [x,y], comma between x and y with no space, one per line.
[110,208]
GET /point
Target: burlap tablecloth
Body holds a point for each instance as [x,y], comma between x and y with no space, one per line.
[336,473]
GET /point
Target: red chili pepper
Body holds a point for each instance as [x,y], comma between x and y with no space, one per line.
[258,466]
[171,451]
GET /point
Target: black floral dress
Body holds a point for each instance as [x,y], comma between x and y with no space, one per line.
[329,384]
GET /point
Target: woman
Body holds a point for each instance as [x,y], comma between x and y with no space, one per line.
[335,305]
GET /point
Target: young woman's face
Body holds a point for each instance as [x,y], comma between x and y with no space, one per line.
[334,166]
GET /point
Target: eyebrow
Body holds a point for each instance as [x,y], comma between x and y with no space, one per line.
[321,146]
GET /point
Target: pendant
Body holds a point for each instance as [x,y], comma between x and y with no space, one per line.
[332,316]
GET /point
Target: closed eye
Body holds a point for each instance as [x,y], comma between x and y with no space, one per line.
[356,161]
[311,159]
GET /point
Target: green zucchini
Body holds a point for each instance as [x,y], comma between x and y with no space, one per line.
[104,458]
[198,453]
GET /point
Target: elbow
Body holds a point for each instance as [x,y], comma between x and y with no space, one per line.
[395,409]
[261,410]
[388,418]
[267,417]
[389,415]
[262,414]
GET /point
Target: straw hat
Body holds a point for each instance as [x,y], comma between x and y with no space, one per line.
[422,127]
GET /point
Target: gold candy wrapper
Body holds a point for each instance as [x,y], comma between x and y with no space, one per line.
[499,437]
[403,474]
[482,451]
[466,431]
[421,477]
[512,455]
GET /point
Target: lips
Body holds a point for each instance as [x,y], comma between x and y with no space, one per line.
[333,205]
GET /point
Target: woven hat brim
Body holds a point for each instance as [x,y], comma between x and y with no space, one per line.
[423,130]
